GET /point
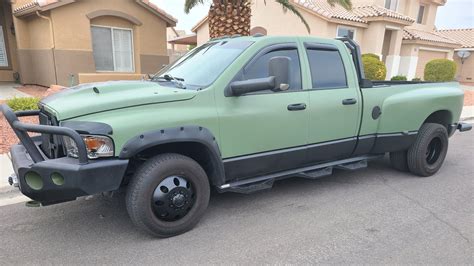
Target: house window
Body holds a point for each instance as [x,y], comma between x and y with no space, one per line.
[3,49]
[113,49]
[345,32]
[421,14]
[391,4]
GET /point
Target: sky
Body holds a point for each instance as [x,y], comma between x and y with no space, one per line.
[455,14]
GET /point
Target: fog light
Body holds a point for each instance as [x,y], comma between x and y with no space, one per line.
[57,179]
[34,181]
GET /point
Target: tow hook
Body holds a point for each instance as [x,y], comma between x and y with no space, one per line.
[13,180]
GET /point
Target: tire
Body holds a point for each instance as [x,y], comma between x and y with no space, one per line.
[427,154]
[159,183]
[399,161]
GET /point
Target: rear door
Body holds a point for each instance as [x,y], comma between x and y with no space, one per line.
[334,103]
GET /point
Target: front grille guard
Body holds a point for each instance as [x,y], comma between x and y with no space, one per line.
[21,130]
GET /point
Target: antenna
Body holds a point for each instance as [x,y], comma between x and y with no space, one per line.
[463,54]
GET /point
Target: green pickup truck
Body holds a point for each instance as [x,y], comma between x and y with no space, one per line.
[234,114]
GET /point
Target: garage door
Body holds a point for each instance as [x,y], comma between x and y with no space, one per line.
[424,57]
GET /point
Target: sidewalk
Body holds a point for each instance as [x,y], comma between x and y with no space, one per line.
[467,113]
[8,194]
[8,91]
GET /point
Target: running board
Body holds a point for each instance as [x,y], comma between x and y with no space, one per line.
[254,184]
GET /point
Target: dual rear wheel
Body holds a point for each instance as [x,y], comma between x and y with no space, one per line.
[426,156]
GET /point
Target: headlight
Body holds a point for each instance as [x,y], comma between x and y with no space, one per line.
[97,146]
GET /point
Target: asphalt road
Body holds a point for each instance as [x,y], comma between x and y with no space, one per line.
[374,215]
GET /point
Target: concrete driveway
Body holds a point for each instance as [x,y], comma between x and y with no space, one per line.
[375,216]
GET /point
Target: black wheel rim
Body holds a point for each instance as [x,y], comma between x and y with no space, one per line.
[173,198]
[434,150]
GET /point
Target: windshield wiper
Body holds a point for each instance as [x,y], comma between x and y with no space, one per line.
[178,81]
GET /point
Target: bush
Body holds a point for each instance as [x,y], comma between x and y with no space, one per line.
[374,68]
[371,55]
[399,78]
[23,103]
[440,70]
[416,79]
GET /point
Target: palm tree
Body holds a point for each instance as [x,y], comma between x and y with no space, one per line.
[230,17]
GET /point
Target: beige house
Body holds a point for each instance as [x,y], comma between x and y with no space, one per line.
[401,32]
[176,50]
[465,63]
[67,42]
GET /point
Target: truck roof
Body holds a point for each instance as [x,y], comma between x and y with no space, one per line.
[258,37]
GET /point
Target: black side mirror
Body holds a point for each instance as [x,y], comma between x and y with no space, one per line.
[252,85]
[279,67]
[278,80]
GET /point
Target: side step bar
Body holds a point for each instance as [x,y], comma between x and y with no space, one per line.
[251,185]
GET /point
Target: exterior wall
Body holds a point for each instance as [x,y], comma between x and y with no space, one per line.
[202,33]
[6,73]
[465,72]
[70,49]
[424,56]
[408,61]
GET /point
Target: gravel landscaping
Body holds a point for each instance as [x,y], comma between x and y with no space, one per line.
[7,136]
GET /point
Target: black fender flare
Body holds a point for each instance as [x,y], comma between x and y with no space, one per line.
[183,134]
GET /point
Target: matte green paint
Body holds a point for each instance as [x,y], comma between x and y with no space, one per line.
[256,123]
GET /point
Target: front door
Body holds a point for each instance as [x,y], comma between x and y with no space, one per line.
[334,103]
[262,132]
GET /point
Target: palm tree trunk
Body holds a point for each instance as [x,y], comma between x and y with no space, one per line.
[229,18]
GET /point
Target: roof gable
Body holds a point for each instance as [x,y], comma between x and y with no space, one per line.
[45,5]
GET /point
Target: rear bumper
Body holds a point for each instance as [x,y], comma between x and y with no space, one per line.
[63,179]
[462,127]
[52,181]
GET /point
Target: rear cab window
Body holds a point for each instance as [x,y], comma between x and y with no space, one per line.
[326,66]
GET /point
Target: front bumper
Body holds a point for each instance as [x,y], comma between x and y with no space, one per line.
[51,181]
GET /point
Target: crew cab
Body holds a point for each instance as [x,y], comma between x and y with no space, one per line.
[235,114]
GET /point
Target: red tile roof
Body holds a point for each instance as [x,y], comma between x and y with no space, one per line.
[464,36]
[412,34]
[374,11]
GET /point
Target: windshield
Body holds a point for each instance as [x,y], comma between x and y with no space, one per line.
[200,67]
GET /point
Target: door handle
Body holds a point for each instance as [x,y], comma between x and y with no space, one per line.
[349,101]
[297,107]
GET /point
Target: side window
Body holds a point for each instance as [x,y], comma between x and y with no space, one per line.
[259,68]
[327,69]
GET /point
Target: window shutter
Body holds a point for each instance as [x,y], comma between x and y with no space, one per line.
[102,47]
[123,50]
[3,50]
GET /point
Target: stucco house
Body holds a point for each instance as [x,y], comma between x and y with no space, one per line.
[465,65]
[67,42]
[401,32]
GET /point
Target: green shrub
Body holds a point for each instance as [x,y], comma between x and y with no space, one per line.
[399,78]
[374,69]
[440,70]
[23,103]
[371,55]
[416,79]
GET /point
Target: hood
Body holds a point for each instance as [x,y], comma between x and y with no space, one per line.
[99,97]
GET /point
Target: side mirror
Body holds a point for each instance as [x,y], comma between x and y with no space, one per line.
[252,85]
[279,67]
[278,80]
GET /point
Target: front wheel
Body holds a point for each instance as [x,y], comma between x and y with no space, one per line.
[426,156]
[168,195]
